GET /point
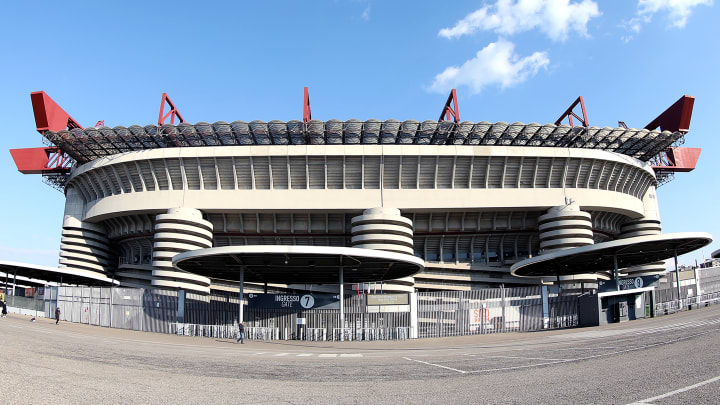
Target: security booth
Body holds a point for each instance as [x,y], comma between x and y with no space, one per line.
[625,300]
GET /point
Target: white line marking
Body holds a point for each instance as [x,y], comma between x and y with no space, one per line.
[671,393]
[525,358]
[516,367]
[304,354]
[327,355]
[281,354]
[351,355]
[260,353]
[597,355]
[436,365]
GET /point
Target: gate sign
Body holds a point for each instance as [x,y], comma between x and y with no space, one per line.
[294,301]
[629,283]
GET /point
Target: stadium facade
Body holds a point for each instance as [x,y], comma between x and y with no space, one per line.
[468,198]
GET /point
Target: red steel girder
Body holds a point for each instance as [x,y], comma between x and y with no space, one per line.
[172,113]
[49,116]
[307,114]
[450,110]
[41,160]
[676,118]
[676,159]
[569,113]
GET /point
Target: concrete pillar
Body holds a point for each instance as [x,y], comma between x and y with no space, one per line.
[647,225]
[385,229]
[179,230]
[84,246]
[566,227]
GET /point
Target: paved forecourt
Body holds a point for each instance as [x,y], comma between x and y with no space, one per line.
[616,364]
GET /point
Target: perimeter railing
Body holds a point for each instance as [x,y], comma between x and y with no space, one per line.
[703,300]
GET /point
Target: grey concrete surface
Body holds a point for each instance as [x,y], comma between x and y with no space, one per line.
[616,364]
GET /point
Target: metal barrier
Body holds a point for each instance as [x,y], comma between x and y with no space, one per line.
[316,334]
[346,334]
[31,306]
[261,333]
[212,331]
[670,307]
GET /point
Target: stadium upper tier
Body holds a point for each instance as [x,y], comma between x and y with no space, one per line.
[85,145]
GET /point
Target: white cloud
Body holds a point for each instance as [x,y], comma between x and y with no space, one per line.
[555,18]
[678,10]
[366,14]
[496,64]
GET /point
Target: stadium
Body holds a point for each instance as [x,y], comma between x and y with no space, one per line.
[396,206]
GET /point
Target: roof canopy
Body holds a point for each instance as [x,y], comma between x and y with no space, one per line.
[88,144]
[7,280]
[599,257]
[298,264]
[54,274]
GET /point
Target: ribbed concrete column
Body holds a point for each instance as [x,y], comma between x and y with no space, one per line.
[83,245]
[180,230]
[566,227]
[385,229]
[648,225]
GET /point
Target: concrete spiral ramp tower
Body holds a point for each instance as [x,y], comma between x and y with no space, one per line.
[566,227]
[642,227]
[177,231]
[84,245]
[385,229]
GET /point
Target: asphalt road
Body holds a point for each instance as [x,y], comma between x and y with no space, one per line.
[667,360]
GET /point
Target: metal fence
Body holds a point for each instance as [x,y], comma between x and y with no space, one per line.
[216,315]
[666,300]
[492,310]
[439,314]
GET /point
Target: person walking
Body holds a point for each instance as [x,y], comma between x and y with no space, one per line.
[241,333]
[57,315]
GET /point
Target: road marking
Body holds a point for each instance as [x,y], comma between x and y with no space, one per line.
[595,356]
[260,353]
[517,367]
[281,354]
[524,358]
[304,354]
[671,393]
[351,355]
[436,365]
[327,355]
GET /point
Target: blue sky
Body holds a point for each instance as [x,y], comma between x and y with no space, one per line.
[510,61]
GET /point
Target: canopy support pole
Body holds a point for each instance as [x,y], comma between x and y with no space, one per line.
[241,291]
[557,283]
[677,279]
[342,305]
[615,266]
[112,284]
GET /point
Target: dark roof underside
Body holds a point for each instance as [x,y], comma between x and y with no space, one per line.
[93,143]
[599,260]
[297,268]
